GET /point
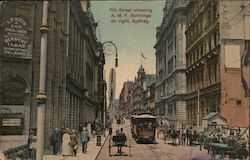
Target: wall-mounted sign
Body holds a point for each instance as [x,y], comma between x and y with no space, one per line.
[16,39]
[11,122]
[13,92]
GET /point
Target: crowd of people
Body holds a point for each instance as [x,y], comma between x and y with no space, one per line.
[188,135]
[68,141]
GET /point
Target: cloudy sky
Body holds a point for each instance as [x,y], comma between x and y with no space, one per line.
[135,36]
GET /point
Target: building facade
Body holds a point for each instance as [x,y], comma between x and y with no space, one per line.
[125,104]
[148,80]
[171,64]
[137,90]
[91,66]
[72,68]
[214,43]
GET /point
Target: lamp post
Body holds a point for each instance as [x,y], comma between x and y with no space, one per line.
[41,96]
[109,48]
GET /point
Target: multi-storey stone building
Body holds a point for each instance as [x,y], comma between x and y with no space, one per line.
[125,104]
[137,90]
[71,41]
[171,63]
[139,95]
[148,80]
[91,65]
[215,32]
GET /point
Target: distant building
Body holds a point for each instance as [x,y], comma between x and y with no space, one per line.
[152,108]
[140,92]
[125,104]
[148,80]
[111,90]
[216,33]
[137,90]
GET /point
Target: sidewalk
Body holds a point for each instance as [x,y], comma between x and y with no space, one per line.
[92,152]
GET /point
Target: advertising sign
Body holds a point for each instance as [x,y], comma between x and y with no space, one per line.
[15,39]
[11,122]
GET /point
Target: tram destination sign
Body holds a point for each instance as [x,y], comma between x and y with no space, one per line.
[16,40]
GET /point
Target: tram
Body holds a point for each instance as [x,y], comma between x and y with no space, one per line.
[143,127]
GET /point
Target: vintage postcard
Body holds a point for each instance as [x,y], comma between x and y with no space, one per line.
[124,79]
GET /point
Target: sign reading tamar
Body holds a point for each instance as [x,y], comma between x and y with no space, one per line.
[16,38]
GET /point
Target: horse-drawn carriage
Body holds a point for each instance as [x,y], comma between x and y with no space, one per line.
[233,146]
[234,149]
[119,141]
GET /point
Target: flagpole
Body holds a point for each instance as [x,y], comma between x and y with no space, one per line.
[141,59]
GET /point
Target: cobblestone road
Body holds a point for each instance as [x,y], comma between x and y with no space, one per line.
[156,151]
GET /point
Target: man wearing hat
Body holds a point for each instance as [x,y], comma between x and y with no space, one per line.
[84,139]
[55,140]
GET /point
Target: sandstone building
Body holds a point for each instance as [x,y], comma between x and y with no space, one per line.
[216,32]
[170,87]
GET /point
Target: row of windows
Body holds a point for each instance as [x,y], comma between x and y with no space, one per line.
[76,50]
[202,48]
[197,80]
[207,105]
[201,24]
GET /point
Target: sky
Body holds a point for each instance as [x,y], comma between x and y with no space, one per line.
[132,39]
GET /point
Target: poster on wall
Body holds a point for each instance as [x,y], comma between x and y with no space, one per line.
[16,38]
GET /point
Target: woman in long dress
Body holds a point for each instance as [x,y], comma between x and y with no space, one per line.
[66,148]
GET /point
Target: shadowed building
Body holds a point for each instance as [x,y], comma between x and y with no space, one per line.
[216,32]
[72,68]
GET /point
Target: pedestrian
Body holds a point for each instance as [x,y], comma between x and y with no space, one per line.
[61,132]
[89,129]
[93,127]
[73,142]
[55,141]
[84,139]
[110,127]
[29,143]
[201,139]
[66,148]
[80,128]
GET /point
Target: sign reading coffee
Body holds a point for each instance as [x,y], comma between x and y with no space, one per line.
[16,38]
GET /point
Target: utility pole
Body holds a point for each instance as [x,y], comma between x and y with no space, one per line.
[198,109]
[41,96]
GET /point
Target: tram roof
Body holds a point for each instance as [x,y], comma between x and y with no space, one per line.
[144,116]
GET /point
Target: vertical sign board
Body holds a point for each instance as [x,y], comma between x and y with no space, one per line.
[16,41]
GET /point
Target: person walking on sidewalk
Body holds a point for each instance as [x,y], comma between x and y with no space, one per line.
[66,148]
[55,141]
[84,139]
[73,141]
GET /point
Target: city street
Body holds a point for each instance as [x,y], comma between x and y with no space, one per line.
[163,71]
[156,151]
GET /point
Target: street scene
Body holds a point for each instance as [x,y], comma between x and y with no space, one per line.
[116,79]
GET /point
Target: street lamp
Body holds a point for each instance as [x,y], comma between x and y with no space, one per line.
[109,48]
